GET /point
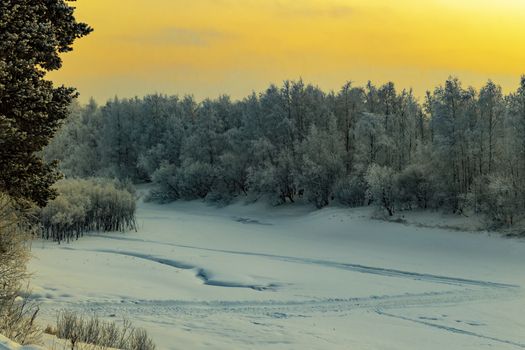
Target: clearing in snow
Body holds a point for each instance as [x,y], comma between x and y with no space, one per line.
[252,277]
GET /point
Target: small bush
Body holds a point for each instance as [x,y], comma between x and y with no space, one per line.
[87,205]
[50,330]
[192,180]
[17,314]
[165,180]
[77,329]
[415,188]
[501,202]
[351,191]
[195,179]
[219,198]
[381,182]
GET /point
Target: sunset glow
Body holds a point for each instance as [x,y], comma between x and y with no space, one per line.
[209,47]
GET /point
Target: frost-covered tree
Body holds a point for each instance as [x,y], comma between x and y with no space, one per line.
[415,187]
[33,34]
[453,113]
[501,201]
[489,126]
[120,120]
[322,164]
[349,106]
[294,142]
[514,135]
[195,179]
[76,145]
[276,176]
[167,140]
[372,141]
[233,165]
[381,181]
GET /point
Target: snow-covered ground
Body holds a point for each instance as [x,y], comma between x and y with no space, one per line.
[6,344]
[252,277]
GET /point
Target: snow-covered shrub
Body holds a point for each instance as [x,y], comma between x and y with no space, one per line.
[165,180]
[17,314]
[381,181]
[277,179]
[151,160]
[191,180]
[220,198]
[77,328]
[262,179]
[87,205]
[195,179]
[351,191]
[232,175]
[501,201]
[415,188]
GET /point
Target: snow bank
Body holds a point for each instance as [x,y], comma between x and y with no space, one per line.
[50,341]
[6,344]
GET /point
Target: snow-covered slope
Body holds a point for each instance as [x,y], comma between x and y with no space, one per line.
[252,277]
[6,344]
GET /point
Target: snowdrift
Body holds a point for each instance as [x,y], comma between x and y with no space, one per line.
[6,344]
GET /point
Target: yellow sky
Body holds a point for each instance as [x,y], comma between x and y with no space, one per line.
[209,47]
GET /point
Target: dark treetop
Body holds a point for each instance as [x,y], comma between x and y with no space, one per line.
[32,35]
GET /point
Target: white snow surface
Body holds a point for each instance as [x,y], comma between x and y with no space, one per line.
[255,277]
[6,344]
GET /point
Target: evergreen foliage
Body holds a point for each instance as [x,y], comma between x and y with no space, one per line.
[32,35]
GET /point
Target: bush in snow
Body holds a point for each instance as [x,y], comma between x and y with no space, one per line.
[195,179]
[381,181]
[351,191]
[17,314]
[501,201]
[165,180]
[232,177]
[277,178]
[87,205]
[415,188]
[192,180]
[93,331]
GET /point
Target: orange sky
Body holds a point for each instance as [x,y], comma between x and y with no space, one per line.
[209,47]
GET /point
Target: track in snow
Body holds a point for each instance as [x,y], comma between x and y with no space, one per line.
[452,329]
[472,290]
[326,263]
[291,308]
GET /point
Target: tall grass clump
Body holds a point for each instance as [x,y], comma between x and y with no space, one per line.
[17,314]
[87,205]
[76,328]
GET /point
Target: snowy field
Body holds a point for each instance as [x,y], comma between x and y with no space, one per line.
[252,277]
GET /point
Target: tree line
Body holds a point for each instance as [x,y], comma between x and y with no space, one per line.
[458,149]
